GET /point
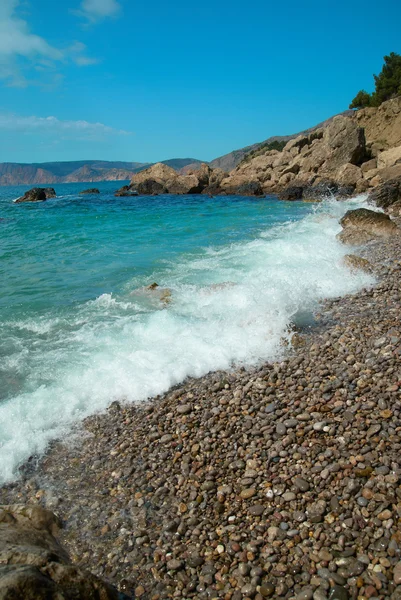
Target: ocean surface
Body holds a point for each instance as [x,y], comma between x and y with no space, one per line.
[79,329]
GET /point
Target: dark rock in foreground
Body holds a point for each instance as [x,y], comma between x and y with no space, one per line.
[34,566]
[90,191]
[37,195]
[387,194]
[316,193]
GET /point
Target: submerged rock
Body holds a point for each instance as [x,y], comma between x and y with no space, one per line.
[357,263]
[37,195]
[90,191]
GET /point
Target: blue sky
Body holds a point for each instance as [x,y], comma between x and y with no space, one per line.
[147,81]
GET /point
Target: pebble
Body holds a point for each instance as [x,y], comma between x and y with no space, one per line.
[397,573]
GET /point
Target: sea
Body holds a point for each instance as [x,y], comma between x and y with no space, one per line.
[80,327]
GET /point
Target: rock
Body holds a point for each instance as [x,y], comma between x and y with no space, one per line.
[34,566]
[386,194]
[301,484]
[253,188]
[125,191]
[357,263]
[185,184]
[291,193]
[369,165]
[397,573]
[90,191]
[349,174]
[346,141]
[373,223]
[149,187]
[326,189]
[382,124]
[37,195]
[338,592]
[389,158]
[355,237]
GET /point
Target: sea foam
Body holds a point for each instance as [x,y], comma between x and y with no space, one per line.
[229,305]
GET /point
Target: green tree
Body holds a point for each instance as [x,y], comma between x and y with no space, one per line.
[387,84]
[361,100]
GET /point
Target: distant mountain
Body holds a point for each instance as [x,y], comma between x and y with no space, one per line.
[77,171]
[229,161]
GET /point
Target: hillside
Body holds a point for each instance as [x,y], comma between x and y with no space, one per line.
[229,161]
[77,171]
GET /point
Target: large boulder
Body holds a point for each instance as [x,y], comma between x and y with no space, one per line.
[37,195]
[149,187]
[389,158]
[33,564]
[161,179]
[386,194]
[159,172]
[346,141]
[362,225]
[349,174]
[185,184]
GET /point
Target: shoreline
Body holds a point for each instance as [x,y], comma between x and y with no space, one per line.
[270,482]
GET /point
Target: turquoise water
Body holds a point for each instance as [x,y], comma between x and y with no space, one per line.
[79,329]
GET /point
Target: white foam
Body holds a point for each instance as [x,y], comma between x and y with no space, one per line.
[113,349]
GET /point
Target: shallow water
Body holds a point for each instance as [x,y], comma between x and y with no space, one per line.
[78,329]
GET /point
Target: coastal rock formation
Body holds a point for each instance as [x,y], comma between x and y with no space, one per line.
[37,195]
[362,225]
[90,191]
[331,153]
[34,566]
[382,125]
[161,179]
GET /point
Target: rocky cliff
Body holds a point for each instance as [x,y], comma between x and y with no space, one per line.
[229,161]
[352,152]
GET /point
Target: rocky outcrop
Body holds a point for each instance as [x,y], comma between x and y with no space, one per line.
[33,564]
[382,125]
[331,153]
[362,225]
[37,195]
[161,179]
[90,191]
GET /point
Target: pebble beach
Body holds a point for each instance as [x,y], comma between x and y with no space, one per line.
[282,481]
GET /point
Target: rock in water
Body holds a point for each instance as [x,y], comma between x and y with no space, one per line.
[386,194]
[34,566]
[90,191]
[362,225]
[355,263]
[37,195]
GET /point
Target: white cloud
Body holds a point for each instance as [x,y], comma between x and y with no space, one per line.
[21,49]
[95,10]
[16,39]
[52,125]
[78,54]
